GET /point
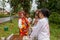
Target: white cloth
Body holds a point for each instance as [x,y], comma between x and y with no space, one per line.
[20,23]
[30,20]
[41,30]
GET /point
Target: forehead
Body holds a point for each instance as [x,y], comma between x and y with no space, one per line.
[37,11]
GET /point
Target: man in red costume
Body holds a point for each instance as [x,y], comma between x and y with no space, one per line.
[23,24]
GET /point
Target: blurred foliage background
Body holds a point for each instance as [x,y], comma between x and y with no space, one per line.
[54,19]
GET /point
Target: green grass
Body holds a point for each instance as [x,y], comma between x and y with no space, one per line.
[55,32]
[13,28]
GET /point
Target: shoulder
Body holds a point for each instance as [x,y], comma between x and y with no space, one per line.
[44,20]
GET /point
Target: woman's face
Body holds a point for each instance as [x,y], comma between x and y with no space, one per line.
[21,15]
[40,14]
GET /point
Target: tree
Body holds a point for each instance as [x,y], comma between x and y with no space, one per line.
[25,4]
[42,3]
[14,4]
[53,5]
[58,6]
[3,4]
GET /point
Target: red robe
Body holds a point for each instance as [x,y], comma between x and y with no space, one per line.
[24,27]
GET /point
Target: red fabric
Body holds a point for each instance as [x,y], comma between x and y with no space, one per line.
[25,27]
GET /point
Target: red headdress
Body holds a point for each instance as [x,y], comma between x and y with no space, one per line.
[20,13]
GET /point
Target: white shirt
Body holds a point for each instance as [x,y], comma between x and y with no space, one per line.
[41,30]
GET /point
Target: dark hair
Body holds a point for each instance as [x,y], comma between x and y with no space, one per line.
[35,14]
[45,12]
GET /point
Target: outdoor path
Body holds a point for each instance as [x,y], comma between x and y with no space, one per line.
[5,19]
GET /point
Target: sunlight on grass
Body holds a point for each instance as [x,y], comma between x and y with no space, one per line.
[12,28]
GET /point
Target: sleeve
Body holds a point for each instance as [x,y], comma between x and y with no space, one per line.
[36,30]
[20,23]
